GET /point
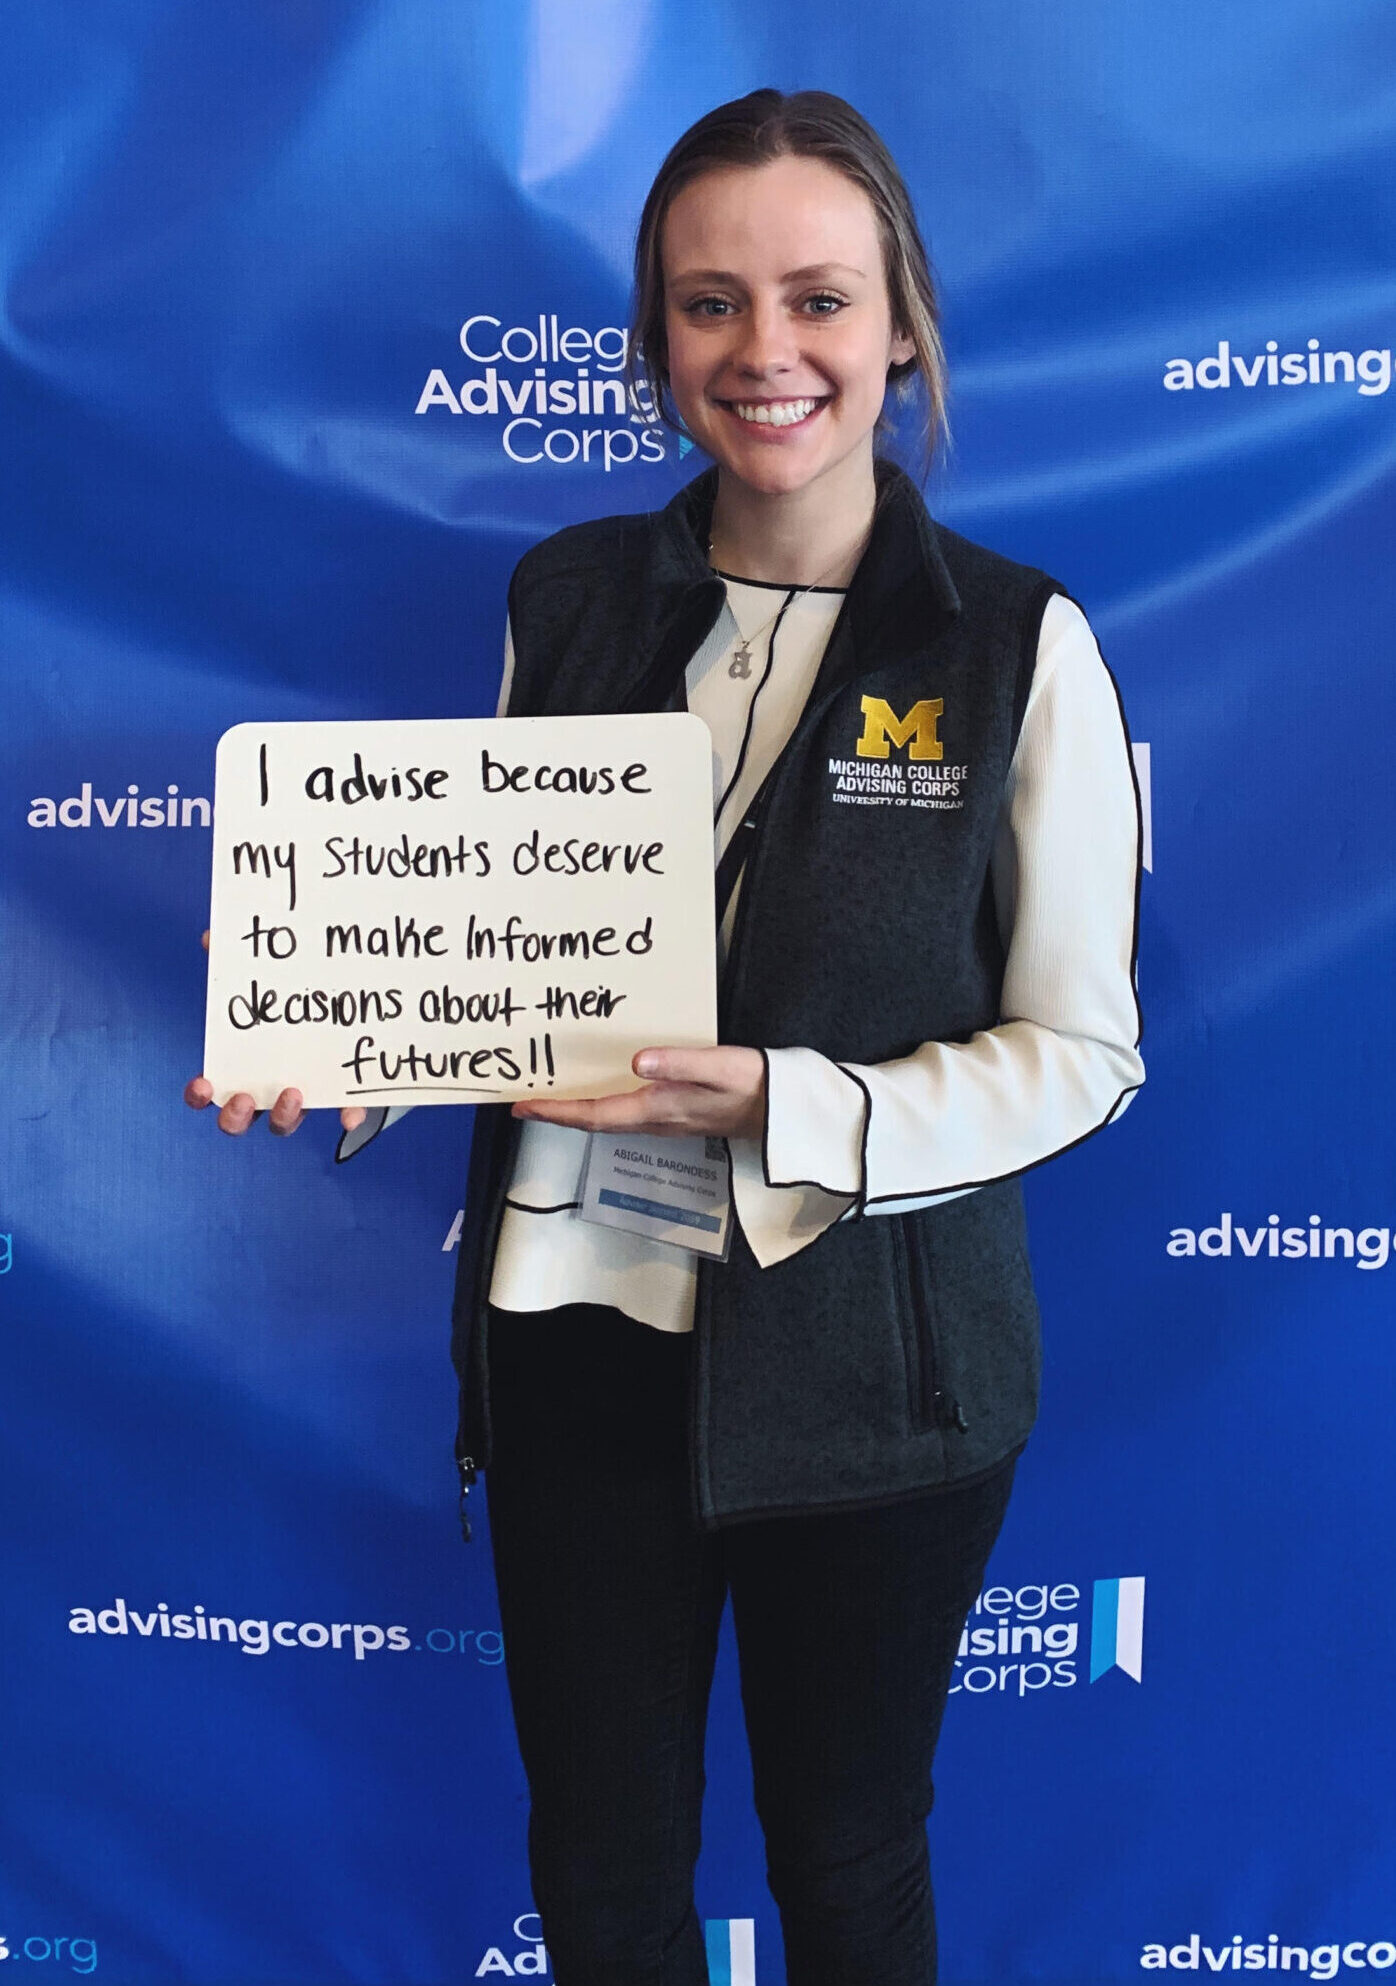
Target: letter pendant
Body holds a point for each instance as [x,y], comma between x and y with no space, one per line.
[740,665]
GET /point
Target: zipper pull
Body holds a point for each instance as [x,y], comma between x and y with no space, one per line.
[949,1412]
[465,1467]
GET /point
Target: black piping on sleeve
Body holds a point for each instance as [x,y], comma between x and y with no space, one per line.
[1139,839]
[834,1192]
[861,1204]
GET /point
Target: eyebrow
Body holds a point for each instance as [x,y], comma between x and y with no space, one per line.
[815,269]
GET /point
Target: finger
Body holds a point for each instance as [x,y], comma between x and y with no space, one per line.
[204,941]
[710,1066]
[237,1113]
[286,1114]
[738,1071]
[198,1093]
[352,1116]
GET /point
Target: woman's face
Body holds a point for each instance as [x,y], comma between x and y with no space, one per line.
[779,327]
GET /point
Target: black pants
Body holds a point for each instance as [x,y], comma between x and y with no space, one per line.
[610,1598]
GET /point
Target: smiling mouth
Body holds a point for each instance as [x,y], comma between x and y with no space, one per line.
[772,413]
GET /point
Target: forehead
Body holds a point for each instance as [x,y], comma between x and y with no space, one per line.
[765,221]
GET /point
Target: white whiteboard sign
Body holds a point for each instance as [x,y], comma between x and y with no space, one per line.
[458,911]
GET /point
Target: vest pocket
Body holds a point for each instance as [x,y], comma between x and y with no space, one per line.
[918,1341]
[925,1404]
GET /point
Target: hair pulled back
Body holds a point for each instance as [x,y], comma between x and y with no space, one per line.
[809,124]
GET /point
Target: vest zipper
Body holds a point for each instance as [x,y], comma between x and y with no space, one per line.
[477,1342]
[932,1404]
[810,718]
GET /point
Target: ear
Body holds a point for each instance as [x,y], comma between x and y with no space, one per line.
[902,348]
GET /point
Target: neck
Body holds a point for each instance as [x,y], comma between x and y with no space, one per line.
[809,537]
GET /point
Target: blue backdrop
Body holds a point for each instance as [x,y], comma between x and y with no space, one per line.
[256,256]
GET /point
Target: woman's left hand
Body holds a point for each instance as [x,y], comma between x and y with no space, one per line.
[689,1092]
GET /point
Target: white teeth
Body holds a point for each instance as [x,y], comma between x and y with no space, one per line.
[774,413]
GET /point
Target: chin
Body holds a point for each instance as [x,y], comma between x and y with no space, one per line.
[776,479]
[765,472]
[771,471]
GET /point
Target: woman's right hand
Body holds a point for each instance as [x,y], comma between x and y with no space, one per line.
[240,1113]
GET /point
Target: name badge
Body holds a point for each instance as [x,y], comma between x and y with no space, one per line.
[675,1190]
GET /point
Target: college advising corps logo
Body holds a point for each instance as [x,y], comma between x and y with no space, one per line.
[554,393]
[899,761]
[1020,1640]
[729,1943]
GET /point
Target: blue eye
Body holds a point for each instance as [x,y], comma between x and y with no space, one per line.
[707,307]
[824,297]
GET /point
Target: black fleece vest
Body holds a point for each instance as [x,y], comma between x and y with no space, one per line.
[899,1351]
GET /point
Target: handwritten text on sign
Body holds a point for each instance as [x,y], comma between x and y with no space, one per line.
[455,911]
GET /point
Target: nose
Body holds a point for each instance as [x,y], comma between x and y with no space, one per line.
[768,345]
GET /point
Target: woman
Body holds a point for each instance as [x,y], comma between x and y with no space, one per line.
[927,841]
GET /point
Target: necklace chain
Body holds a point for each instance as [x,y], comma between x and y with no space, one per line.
[740,665]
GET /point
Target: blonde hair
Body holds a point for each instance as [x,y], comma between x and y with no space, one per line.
[752,131]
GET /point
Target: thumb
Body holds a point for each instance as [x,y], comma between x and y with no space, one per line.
[679,1065]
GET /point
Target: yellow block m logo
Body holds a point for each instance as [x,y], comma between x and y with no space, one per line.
[882,728]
